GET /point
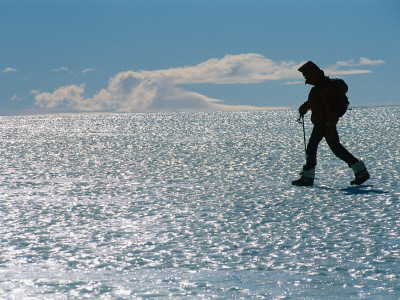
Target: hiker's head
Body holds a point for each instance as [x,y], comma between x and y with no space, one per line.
[311,72]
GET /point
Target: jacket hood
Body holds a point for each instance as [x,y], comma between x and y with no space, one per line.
[311,72]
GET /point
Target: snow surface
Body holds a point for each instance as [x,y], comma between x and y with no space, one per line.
[196,205]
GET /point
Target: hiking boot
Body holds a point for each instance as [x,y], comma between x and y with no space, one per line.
[360,172]
[306,179]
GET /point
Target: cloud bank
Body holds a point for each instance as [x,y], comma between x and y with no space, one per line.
[158,90]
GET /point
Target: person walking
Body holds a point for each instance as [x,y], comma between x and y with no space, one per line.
[324,116]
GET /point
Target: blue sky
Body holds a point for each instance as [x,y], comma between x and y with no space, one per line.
[184,55]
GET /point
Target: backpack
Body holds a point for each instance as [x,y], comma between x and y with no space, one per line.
[341,103]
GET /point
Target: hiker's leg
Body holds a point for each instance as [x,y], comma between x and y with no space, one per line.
[315,138]
[332,138]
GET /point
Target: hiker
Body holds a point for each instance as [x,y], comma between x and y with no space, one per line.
[325,115]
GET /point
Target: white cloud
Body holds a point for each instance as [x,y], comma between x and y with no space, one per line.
[350,67]
[88,70]
[294,82]
[68,96]
[365,61]
[158,90]
[8,69]
[15,97]
[61,69]
[243,68]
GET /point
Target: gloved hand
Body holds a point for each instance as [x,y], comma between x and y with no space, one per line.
[303,109]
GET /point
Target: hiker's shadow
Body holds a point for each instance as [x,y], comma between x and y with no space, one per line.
[362,189]
[356,190]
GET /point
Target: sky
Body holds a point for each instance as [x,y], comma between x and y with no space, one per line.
[84,56]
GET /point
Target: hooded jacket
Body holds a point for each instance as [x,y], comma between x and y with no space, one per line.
[320,100]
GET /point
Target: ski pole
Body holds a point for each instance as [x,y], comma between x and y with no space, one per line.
[304,137]
[301,121]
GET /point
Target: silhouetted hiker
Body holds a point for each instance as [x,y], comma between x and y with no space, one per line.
[325,116]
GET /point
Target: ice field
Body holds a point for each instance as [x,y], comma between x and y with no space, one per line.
[196,205]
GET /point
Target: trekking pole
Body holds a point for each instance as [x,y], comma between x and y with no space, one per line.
[301,121]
